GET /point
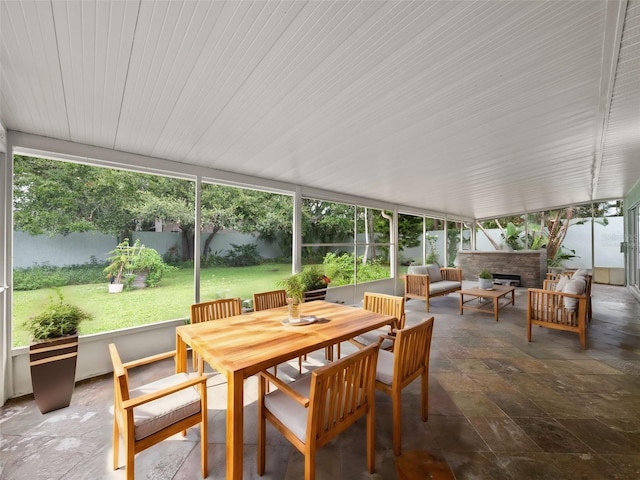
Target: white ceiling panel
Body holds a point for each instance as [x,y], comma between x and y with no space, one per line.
[474,109]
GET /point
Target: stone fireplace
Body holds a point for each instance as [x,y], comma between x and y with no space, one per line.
[530,265]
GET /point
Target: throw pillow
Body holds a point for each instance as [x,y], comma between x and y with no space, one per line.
[561,283]
[418,270]
[581,272]
[434,273]
[577,288]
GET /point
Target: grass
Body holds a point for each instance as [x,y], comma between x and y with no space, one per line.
[171,300]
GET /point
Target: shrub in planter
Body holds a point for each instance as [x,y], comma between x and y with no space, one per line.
[54,354]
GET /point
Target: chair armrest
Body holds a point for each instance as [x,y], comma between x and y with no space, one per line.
[147,360]
[149,397]
[451,274]
[285,388]
[388,337]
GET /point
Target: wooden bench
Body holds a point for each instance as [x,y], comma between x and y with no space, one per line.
[429,285]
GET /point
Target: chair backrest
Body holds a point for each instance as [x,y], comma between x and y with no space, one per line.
[271,299]
[411,352]
[215,309]
[386,305]
[341,392]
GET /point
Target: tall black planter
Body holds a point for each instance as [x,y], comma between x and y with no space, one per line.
[53,372]
[319,294]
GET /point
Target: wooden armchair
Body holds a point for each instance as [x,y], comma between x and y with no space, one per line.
[213,310]
[148,414]
[314,409]
[395,371]
[385,305]
[437,282]
[560,308]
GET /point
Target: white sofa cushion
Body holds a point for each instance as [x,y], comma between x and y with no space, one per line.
[443,285]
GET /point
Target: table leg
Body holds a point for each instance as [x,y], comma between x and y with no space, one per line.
[181,355]
[513,297]
[461,302]
[496,308]
[235,405]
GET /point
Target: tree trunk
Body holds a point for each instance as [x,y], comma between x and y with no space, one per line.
[208,240]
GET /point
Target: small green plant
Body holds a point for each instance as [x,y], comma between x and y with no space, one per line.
[486,274]
[294,287]
[311,277]
[57,320]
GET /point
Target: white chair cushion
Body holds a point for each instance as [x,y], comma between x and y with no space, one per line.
[373,336]
[434,273]
[417,270]
[384,369]
[287,410]
[576,287]
[158,414]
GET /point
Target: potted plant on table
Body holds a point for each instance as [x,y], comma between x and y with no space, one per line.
[485,280]
[307,285]
[54,352]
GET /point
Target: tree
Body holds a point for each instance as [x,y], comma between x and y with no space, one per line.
[58,198]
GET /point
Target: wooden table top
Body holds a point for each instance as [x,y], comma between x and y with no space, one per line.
[255,341]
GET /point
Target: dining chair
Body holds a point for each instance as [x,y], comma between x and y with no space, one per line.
[150,413]
[213,310]
[396,370]
[271,299]
[314,409]
[385,305]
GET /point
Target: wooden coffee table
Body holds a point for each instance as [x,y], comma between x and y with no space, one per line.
[487,301]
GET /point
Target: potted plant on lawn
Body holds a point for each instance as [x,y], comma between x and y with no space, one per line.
[121,262]
[54,352]
[485,280]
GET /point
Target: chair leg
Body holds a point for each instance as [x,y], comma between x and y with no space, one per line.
[425,396]
[116,442]
[397,422]
[371,441]
[310,463]
[130,464]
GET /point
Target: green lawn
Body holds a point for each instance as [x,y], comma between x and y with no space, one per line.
[169,301]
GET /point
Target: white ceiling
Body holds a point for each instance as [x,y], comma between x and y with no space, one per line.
[470,108]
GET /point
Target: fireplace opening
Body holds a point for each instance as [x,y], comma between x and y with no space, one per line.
[506,279]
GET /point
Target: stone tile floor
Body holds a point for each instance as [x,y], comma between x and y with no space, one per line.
[499,408]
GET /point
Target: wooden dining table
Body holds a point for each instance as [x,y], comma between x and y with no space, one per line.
[241,346]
